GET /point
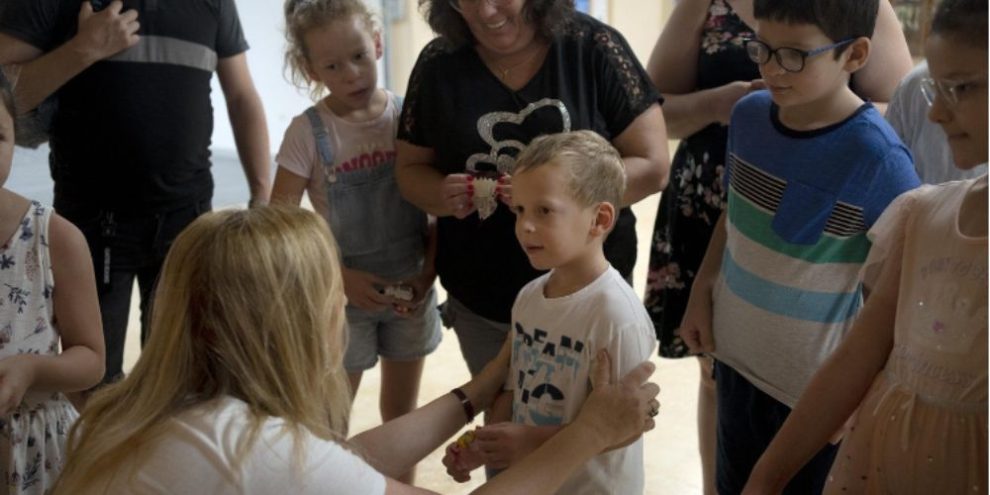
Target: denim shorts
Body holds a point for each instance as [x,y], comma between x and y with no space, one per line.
[386,334]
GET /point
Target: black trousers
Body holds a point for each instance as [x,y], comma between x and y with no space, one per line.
[126,246]
[748,419]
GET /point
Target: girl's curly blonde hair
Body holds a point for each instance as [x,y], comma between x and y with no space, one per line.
[301,16]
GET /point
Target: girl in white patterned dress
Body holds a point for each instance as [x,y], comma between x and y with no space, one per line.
[47,293]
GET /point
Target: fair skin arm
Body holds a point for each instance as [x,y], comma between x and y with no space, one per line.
[429,425]
[673,66]
[643,147]
[501,443]
[892,59]
[609,409]
[696,326]
[833,395]
[247,118]
[100,35]
[460,461]
[360,287]
[424,186]
[80,365]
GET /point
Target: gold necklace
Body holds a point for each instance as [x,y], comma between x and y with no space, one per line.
[503,72]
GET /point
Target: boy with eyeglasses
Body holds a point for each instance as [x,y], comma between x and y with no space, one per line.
[810,167]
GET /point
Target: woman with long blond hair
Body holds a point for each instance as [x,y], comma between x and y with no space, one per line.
[241,389]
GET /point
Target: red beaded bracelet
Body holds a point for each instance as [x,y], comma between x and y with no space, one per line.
[465,403]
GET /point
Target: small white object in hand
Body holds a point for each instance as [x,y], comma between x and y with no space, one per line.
[400,292]
[484,197]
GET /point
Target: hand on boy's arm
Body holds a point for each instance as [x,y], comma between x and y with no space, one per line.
[361,289]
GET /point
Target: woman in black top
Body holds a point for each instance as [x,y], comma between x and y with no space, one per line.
[501,73]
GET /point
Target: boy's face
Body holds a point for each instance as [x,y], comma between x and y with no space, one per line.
[961,70]
[822,73]
[343,56]
[552,227]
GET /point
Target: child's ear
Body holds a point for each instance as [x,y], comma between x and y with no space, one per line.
[311,72]
[379,49]
[857,54]
[604,219]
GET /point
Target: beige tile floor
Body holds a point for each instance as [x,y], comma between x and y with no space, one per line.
[672,464]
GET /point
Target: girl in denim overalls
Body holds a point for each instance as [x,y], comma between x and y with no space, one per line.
[342,152]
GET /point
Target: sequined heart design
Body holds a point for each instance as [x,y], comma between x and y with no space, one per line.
[502,153]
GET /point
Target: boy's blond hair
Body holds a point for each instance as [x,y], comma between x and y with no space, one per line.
[302,16]
[595,169]
[250,305]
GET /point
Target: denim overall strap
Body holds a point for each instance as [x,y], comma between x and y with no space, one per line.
[322,139]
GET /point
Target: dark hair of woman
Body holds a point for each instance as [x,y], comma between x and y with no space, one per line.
[549,17]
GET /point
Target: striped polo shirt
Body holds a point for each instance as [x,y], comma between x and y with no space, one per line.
[799,206]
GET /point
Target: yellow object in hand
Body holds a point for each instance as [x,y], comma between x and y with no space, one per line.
[464,440]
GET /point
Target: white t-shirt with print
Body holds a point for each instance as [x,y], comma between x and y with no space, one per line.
[197,452]
[553,343]
[355,146]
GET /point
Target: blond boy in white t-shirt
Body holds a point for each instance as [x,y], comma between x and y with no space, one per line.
[566,189]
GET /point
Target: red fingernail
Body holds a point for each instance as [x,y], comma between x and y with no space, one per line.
[470,178]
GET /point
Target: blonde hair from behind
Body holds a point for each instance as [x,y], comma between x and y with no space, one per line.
[250,304]
[301,16]
[594,167]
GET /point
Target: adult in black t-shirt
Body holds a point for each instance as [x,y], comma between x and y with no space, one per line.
[501,73]
[130,139]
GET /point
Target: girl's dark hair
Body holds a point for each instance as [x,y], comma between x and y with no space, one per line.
[549,17]
[962,20]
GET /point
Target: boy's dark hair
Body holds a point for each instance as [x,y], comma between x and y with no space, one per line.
[7,94]
[962,20]
[549,17]
[840,20]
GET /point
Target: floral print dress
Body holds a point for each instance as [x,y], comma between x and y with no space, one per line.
[693,200]
[32,437]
